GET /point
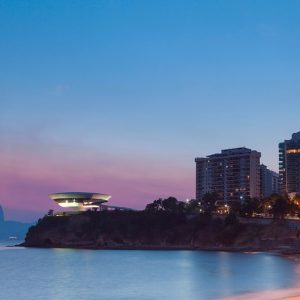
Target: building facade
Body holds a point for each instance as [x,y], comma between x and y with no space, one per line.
[233,174]
[269,182]
[289,165]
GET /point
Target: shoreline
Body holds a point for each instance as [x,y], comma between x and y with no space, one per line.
[291,255]
[276,251]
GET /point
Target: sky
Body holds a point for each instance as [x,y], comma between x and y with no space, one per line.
[120,96]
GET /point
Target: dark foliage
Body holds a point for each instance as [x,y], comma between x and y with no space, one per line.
[280,205]
[249,207]
[208,201]
[170,204]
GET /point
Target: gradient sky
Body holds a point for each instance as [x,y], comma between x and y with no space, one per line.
[119,97]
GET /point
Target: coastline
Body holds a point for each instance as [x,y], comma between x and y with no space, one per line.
[292,255]
[162,231]
[288,253]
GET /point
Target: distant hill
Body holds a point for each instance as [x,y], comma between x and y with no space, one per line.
[1,215]
[12,228]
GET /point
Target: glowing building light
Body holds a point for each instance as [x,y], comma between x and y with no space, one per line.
[293,151]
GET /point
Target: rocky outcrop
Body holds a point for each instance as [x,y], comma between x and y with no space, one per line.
[158,230]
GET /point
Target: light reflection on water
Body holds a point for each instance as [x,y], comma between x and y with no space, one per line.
[62,274]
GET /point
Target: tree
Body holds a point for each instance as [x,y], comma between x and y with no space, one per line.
[192,205]
[208,201]
[278,205]
[156,205]
[170,204]
[295,206]
[250,206]
[235,206]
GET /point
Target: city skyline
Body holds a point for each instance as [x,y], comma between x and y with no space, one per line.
[120,97]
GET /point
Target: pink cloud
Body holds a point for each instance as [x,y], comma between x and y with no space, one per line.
[27,179]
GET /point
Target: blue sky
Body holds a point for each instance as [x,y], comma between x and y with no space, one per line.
[125,85]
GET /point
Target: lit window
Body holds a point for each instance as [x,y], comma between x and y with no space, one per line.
[293,151]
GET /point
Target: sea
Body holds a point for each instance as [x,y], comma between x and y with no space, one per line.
[63,274]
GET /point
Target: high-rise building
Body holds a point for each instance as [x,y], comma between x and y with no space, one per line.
[269,181]
[289,165]
[233,174]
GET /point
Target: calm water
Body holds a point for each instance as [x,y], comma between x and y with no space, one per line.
[142,275]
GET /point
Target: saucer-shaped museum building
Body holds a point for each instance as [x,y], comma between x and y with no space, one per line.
[80,201]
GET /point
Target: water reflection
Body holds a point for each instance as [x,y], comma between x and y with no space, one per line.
[50,274]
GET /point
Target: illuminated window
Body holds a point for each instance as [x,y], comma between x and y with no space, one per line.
[293,151]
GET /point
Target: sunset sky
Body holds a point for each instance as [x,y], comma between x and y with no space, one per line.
[119,97]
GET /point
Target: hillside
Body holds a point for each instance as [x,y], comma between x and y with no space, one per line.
[159,230]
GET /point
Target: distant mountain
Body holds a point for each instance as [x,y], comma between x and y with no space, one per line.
[1,215]
[12,228]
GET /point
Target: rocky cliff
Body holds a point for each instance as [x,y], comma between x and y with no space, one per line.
[159,230]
